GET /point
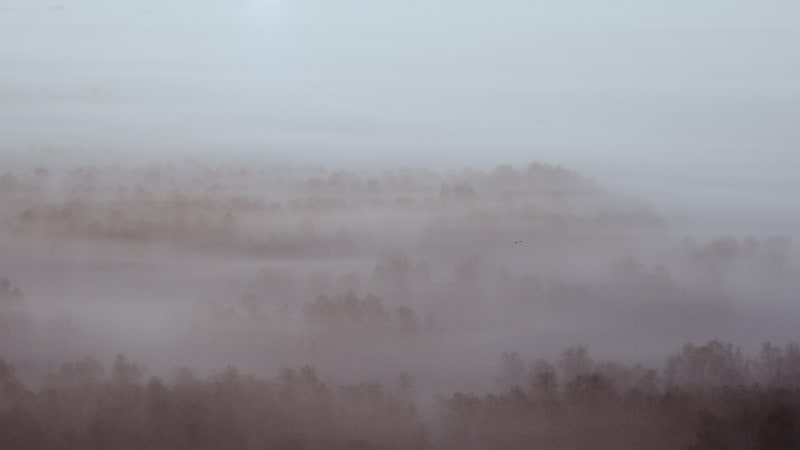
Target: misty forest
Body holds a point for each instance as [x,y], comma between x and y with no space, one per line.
[399,225]
[189,304]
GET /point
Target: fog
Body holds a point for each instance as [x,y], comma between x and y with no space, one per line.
[583,84]
[705,94]
[438,283]
[301,224]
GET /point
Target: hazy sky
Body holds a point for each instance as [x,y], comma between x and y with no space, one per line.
[656,90]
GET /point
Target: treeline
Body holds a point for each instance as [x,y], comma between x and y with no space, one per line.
[256,210]
[349,312]
[705,397]
[83,405]
[591,413]
[329,315]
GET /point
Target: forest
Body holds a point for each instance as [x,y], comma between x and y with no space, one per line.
[199,304]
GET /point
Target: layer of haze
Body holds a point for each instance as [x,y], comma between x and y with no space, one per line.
[397,285]
[376,188]
[645,96]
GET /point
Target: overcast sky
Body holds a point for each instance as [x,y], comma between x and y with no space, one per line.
[698,90]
